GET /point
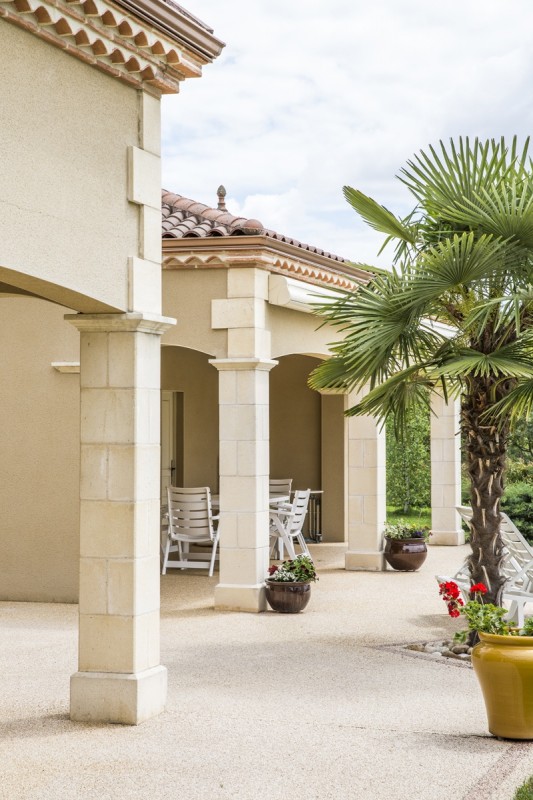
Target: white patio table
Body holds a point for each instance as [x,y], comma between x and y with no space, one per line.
[273,500]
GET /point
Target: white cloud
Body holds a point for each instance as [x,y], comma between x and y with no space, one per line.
[314,94]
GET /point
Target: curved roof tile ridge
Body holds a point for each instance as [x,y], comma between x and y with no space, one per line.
[210,221]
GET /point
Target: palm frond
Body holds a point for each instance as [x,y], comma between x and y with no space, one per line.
[505,210]
[502,313]
[508,362]
[378,217]
[516,406]
[447,183]
[457,263]
[396,397]
[382,333]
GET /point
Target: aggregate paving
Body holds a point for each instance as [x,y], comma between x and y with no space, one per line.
[316,705]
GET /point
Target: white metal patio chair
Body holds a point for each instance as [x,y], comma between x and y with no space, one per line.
[286,524]
[191,524]
[517,568]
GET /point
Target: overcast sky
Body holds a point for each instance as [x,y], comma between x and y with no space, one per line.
[310,95]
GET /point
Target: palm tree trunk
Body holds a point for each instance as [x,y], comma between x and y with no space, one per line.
[486,448]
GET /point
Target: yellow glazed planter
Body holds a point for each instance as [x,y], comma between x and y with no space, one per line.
[504,668]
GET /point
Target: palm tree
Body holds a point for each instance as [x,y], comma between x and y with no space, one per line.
[454,314]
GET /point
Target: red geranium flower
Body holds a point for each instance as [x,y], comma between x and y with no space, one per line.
[479,587]
[449,588]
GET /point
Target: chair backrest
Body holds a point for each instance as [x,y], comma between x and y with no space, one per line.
[518,553]
[298,511]
[190,515]
[280,486]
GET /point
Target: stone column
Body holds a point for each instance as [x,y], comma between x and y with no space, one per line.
[445,472]
[120,678]
[365,490]
[244,476]
[244,440]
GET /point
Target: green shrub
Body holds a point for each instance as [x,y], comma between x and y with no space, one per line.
[519,472]
[525,792]
[517,503]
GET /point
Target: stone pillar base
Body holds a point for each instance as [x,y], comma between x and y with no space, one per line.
[116,697]
[367,560]
[238,597]
[453,538]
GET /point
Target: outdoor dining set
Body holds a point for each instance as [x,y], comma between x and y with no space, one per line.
[190,525]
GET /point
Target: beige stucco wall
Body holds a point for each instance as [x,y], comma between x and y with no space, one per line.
[39,453]
[63,183]
[189,372]
[334,466]
[187,296]
[294,423]
[297,332]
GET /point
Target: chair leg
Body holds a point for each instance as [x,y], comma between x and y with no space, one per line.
[165,558]
[213,556]
[303,545]
[286,540]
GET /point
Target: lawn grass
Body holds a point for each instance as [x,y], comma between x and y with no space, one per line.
[525,792]
[417,516]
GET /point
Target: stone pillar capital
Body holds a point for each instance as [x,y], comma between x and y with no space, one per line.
[221,364]
[130,323]
[329,392]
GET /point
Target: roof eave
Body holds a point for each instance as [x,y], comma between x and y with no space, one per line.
[266,247]
[179,25]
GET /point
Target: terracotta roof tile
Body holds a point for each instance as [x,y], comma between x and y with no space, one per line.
[184,218]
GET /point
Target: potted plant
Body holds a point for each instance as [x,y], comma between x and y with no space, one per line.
[288,586]
[502,660]
[405,545]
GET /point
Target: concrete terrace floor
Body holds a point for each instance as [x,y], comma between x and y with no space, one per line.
[264,705]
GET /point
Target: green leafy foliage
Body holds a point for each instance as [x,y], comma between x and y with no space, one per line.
[520,454]
[408,461]
[405,530]
[300,570]
[525,792]
[518,505]
[519,472]
[485,618]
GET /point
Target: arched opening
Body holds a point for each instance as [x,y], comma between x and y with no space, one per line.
[307,442]
[189,439]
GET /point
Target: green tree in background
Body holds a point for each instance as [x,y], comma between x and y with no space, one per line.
[408,459]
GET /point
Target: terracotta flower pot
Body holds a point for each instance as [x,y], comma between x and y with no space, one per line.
[405,554]
[287,597]
[504,669]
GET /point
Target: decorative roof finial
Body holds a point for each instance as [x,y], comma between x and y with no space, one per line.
[221,194]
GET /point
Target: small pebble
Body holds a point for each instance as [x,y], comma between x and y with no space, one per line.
[460,648]
[442,649]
